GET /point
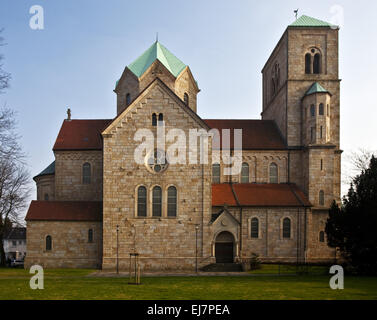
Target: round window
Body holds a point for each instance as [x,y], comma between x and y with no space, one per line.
[156,161]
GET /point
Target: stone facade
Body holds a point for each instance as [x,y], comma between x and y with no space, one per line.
[70,244]
[310,160]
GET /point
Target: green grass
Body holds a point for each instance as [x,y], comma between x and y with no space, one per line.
[290,270]
[77,284]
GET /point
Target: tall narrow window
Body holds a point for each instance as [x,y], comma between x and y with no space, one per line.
[142,201]
[154,119]
[86,173]
[321,164]
[308,58]
[254,228]
[128,99]
[287,228]
[48,243]
[312,110]
[321,236]
[216,173]
[321,109]
[90,235]
[160,119]
[273,173]
[321,198]
[321,132]
[317,63]
[186,98]
[157,201]
[172,201]
[245,173]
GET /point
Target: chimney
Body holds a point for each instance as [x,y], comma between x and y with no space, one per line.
[68,114]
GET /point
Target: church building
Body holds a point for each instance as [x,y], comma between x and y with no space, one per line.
[96,204]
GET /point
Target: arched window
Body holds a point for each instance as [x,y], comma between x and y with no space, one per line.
[312,110]
[254,228]
[245,173]
[216,173]
[273,173]
[90,235]
[48,243]
[286,228]
[172,201]
[321,109]
[317,63]
[154,119]
[160,119]
[86,173]
[321,236]
[308,58]
[142,201]
[46,196]
[321,198]
[128,99]
[186,98]
[156,201]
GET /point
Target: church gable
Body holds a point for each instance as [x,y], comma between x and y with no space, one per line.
[157,98]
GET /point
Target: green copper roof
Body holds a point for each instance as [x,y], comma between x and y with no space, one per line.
[316,88]
[49,170]
[305,21]
[157,51]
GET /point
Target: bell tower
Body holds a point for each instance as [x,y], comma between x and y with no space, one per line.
[301,91]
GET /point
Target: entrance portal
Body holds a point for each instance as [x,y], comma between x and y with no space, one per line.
[224,247]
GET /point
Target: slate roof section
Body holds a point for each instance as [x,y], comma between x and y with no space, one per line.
[157,52]
[49,170]
[64,211]
[18,233]
[81,135]
[306,21]
[256,134]
[258,195]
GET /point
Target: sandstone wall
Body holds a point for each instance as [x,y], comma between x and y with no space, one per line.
[70,246]
[69,184]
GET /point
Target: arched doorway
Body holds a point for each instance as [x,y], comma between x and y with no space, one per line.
[224,247]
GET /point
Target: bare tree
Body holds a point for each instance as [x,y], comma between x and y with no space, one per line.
[355,162]
[14,178]
[4,76]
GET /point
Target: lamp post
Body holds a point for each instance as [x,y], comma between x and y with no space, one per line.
[196,248]
[117,249]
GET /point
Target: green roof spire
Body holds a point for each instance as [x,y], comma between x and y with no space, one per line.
[316,88]
[157,52]
[306,21]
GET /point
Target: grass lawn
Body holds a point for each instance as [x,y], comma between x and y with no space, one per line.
[76,284]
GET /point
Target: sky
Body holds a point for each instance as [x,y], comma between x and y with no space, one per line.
[76,59]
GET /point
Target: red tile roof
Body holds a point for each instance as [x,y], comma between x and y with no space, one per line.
[65,211]
[81,134]
[86,134]
[258,195]
[256,134]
